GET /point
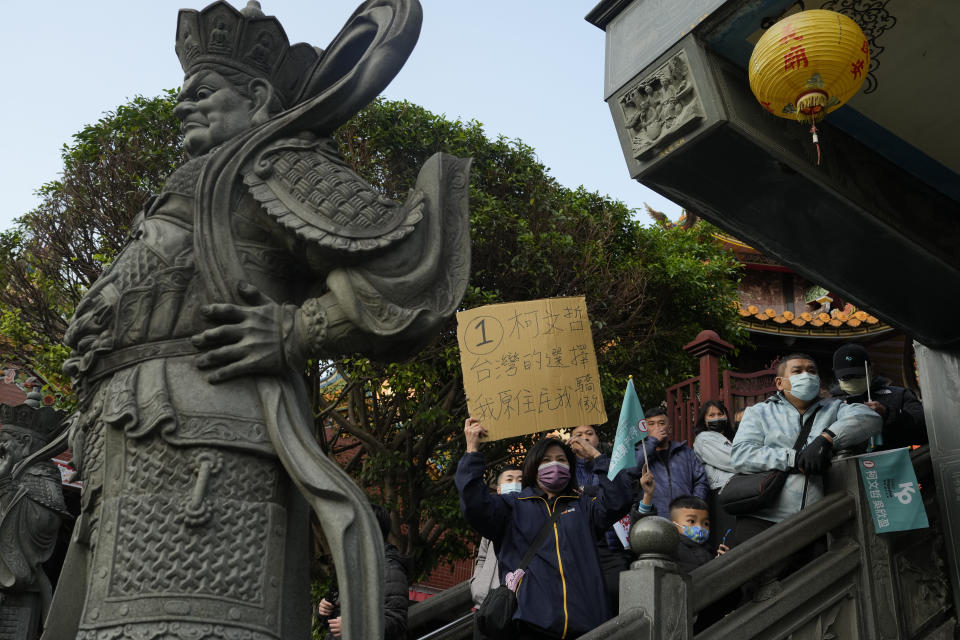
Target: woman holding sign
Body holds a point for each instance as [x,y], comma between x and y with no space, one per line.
[560,592]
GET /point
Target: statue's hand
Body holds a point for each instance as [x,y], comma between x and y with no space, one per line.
[247,339]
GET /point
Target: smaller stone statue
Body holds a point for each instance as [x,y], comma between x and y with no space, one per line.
[31,510]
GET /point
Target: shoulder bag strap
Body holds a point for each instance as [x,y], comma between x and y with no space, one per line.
[807,422]
[541,536]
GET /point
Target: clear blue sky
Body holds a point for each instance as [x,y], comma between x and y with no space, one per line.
[528,69]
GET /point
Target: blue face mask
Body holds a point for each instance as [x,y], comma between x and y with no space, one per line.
[695,533]
[804,386]
[510,487]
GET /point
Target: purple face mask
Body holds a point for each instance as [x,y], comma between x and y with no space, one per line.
[554,476]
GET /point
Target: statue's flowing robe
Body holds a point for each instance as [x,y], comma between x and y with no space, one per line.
[190,524]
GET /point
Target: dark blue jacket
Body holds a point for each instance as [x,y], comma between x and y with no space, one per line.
[562,589]
[587,470]
[676,471]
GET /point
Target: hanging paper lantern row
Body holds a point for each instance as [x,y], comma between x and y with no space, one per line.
[809,64]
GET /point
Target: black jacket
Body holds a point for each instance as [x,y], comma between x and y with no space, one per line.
[691,555]
[904,424]
[396,594]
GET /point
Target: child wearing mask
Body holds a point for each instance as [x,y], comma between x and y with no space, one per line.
[692,519]
[691,516]
[561,592]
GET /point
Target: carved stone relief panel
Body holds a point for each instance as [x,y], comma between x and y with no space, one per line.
[882,585]
[661,106]
[837,621]
[924,586]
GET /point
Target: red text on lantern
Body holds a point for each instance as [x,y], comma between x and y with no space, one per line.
[789,34]
[795,58]
[856,68]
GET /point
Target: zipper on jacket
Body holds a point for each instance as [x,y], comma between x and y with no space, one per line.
[563,580]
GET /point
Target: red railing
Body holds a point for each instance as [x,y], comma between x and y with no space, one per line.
[741,390]
[683,404]
[736,390]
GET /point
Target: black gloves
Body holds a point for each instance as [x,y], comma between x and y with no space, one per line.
[815,457]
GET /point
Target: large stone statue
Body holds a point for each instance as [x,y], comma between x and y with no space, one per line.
[193,432]
[31,508]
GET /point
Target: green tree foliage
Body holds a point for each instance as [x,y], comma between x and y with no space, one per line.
[397,428]
[53,253]
[649,291]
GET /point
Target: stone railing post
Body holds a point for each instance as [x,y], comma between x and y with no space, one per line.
[654,584]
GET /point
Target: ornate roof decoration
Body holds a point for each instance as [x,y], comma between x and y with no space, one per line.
[837,323]
[732,243]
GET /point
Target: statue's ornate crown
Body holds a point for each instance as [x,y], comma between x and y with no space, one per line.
[44,423]
[247,41]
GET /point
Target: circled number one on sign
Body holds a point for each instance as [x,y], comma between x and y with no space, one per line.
[483,332]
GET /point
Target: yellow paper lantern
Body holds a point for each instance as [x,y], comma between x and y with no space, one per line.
[808,64]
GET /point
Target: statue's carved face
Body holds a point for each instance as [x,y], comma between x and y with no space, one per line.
[13,448]
[211,111]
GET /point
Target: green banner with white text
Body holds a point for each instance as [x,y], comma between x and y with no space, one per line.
[892,491]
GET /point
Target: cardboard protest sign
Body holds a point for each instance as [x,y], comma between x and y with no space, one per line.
[530,366]
[892,491]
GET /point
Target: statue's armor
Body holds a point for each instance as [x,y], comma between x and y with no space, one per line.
[31,509]
[187,513]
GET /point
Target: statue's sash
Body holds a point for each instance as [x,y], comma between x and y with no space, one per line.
[359,63]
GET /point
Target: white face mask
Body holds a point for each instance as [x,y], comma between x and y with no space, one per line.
[804,386]
[510,487]
[854,386]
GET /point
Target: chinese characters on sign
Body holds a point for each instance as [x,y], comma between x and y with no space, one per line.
[892,492]
[530,366]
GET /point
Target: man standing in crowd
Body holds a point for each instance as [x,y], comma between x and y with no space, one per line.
[766,437]
[585,444]
[902,413]
[586,433]
[675,467]
[486,574]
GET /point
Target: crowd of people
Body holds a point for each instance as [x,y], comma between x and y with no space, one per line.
[569,584]
[547,525]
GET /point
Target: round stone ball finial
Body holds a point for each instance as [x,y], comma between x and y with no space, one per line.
[654,535]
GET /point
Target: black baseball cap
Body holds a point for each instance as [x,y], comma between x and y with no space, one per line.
[848,361]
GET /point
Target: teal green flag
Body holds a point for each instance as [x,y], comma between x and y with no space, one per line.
[892,491]
[631,429]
